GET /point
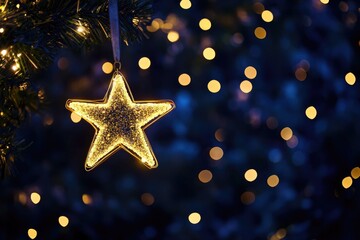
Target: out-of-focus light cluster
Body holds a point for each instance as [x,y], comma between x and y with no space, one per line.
[147,199]
[205,24]
[348,181]
[216,153]
[209,53]
[350,78]
[205,176]
[184,79]
[194,218]
[260,32]
[35,197]
[63,221]
[311,112]
[32,233]
[273,180]
[250,175]
[185,4]
[107,67]
[214,86]
[144,63]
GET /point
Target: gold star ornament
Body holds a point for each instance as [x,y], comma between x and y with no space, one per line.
[119,123]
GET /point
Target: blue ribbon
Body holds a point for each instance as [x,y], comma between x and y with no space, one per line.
[115,30]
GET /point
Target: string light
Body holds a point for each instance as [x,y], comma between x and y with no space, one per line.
[286,133]
[216,153]
[260,33]
[347,182]
[267,16]
[324,1]
[250,175]
[273,180]
[3,52]
[250,72]
[86,198]
[247,198]
[147,199]
[214,86]
[32,233]
[350,78]
[205,176]
[311,112]
[246,86]
[144,63]
[107,67]
[185,4]
[205,24]
[74,117]
[209,53]
[35,197]
[184,79]
[194,218]
[300,74]
[173,36]
[63,221]
[2,30]
[355,173]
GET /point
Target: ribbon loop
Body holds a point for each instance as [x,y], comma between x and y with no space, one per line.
[115,30]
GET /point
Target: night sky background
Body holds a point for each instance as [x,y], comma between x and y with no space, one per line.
[309,49]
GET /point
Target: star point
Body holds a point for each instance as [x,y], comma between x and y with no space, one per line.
[119,123]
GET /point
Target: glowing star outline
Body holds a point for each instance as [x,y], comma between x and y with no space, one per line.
[104,115]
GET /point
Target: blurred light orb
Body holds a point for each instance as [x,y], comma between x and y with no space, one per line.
[184,79]
[286,133]
[347,182]
[147,199]
[324,1]
[214,86]
[144,63]
[246,86]
[35,197]
[273,180]
[350,78]
[185,4]
[250,175]
[355,172]
[205,176]
[32,233]
[194,218]
[205,24]
[260,32]
[75,118]
[267,16]
[250,72]
[216,153]
[173,36]
[311,112]
[300,74]
[258,7]
[209,53]
[107,67]
[63,221]
[86,198]
[247,198]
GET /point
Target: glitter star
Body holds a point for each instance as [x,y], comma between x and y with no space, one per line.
[119,123]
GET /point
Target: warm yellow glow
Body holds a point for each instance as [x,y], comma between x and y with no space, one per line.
[219,135]
[347,182]
[205,24]
[246,86]
[3,52]
[286,133]
[185,4]
[86,198]
[258,7]
[324,1]
[144,63]
[147,199]
[216,153]
[2,30]
[15,67]
[155,25]
[250,72]
[350,78]
[300,74]
[209,53]
[107,67]
[281,233]
[32,233]
[250,175]
[63,221]
[173,36]
[247,198]
[75,118]
[184,79]
[260,33]
[355,172]
[194,218]
[22,198]
[273,180]
[119,123]
[311,112]
[35,197]
[214,86]
[267,16]
[205,176]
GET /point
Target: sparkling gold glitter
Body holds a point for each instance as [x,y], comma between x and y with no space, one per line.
[119,122]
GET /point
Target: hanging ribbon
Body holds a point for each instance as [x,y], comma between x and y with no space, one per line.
[115,31]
